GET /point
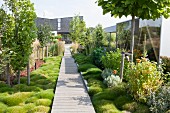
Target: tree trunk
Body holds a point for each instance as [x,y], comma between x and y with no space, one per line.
[47,51]
[132,35]
[109,41]
[42,53]
[7,74]
[28,73]
[18,76]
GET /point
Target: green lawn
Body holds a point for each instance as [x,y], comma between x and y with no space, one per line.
[38,96]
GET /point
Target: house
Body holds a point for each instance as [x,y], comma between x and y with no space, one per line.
[58,25]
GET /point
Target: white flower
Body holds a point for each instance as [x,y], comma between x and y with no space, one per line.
[0,52]
[11,51]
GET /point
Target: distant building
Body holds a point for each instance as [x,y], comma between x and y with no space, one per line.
[61,25]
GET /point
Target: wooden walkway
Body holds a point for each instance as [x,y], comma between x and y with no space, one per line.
[70,95]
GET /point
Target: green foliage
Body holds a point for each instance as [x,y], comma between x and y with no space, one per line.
[15,109]
[153,9]
[95,76]
[31,100]
[95,83]
[46,94]
[105,106]
[35,98]
[159,101]
[44,102]
[112,80]
[112,60]
[166,62]
[54,49]
[106,72]
[89,45]
[94,89]
[22,32]
[85,67]
[43,34]
[95,86]
[28,107]
[123,36]
[77,29]
[16,98]
[135,107]
[82,59]
[143,79]
[136,8]
[97,55]
[121,100]
[42,109]
[111,93]
[6,89]
[3,107]
[25,88]
[93,71]
[58,37]
[99,36]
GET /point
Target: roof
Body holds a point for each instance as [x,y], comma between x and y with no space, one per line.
[111,29]
[61,25]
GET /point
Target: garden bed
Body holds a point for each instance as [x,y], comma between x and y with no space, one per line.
[104,99]
[38,96]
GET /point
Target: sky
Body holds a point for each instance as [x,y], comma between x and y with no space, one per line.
[91,13]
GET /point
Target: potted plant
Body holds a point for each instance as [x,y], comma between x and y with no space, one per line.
[59,37]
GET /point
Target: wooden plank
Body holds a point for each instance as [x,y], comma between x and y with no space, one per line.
[70,95]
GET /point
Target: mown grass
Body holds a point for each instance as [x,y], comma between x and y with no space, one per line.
[104,99]
[38,96]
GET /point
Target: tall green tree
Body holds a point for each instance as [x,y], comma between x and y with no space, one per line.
[44,35]
[99,35]
[88,40]
[23,34]
[77,29]
[6,29]
[145,9]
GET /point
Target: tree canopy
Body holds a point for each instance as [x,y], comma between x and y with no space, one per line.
[77,29]
[44,33]
[145,9]
[20,31]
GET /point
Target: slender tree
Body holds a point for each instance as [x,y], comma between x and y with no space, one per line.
[99,35]
[77,29]
[44,34]
[145,9]
[6,28]
[23,34]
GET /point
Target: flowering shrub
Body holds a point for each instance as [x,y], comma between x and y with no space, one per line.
[143,78]
[112,60]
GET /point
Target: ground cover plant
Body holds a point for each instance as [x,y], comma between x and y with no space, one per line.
[38,96]
[109,99]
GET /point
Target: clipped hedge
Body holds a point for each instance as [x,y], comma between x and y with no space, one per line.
[85,67]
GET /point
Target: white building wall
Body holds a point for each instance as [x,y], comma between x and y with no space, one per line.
[165,38]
